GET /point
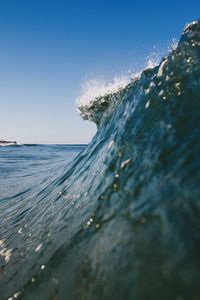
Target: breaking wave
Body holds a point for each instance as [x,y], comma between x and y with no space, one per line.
[99,91]
[121,221]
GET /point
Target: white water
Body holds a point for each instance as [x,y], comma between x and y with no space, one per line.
[98,87]
[95,88]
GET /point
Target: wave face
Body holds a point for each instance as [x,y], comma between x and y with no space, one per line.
[122,221]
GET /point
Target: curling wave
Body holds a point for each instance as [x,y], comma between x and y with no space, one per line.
[122,220]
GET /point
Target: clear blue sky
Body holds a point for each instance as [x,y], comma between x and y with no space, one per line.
[49,47]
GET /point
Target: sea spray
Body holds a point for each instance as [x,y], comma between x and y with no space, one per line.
[96,93]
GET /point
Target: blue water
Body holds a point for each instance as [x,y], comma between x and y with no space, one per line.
[28,196]
[24,166]
[119,218]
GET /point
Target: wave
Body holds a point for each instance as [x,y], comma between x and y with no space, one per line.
[122,220]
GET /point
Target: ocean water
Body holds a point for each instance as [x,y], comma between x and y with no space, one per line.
[119,218]
[25,165]
[26,171]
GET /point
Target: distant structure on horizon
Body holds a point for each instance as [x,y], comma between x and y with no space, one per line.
[7,143]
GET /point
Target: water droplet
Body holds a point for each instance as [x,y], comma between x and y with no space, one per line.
[147,104]
[124,163]
[6,254]
[37,249]
[16,295]
[147,91]
[120,154]
[178,85]
[152,84]
[115,186]
[110,144]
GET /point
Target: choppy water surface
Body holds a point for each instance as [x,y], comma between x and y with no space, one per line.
[122,219]
[27,165]
[25,171]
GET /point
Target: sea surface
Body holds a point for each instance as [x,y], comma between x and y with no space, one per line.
[24,165]
[119,218]
[25,171]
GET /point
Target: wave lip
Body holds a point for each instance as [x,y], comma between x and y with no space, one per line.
[97,103]
[94,103]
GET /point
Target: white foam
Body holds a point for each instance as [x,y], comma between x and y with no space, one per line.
[153,59]
[96,88]
[99,87]
[173,45]
[160,70]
